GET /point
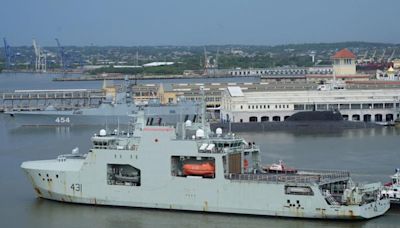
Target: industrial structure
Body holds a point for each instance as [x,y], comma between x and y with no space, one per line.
[61,56]
[8,55]
[40,58]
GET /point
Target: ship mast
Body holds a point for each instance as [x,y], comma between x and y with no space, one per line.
[203,109]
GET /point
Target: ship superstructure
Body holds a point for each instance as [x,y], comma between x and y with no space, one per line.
[392,189]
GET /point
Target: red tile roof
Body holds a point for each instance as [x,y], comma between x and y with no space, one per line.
[344,54]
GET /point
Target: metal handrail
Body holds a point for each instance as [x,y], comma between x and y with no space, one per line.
[288,178]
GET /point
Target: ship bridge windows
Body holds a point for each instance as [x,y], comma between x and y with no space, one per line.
[219,146]
[103,142]
[193,167]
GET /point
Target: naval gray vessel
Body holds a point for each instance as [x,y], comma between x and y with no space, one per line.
[189,167]
[113,110]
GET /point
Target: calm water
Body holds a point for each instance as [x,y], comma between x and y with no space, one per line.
[370,154]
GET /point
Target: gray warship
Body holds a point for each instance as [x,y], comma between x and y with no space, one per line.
[113,110]
[189,167]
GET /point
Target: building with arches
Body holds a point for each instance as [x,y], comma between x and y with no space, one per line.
[378,105]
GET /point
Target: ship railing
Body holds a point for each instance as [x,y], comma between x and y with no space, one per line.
[272,178]
[290,178]
[221,150]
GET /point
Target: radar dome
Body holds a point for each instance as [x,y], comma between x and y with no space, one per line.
[199,133]
[102,132]
[75,150]
[188,123]
[218,131]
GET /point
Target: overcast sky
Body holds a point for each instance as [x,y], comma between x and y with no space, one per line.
[198,22]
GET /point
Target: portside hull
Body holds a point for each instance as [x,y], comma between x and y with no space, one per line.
[67,119]
[264,199]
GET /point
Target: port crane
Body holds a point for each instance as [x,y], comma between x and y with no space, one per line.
[8,54]
[61,55]
[40,58]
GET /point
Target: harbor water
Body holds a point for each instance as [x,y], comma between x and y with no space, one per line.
[370,155]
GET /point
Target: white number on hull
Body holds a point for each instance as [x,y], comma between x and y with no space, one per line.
[62,120]
[76,187]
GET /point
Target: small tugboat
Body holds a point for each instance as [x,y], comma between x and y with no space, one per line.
[191,168]
[392,189]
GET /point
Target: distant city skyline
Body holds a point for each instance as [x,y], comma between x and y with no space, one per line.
[205,22]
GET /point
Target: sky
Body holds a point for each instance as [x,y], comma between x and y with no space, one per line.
[198,22]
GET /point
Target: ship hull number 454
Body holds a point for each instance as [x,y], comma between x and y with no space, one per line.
[62,120]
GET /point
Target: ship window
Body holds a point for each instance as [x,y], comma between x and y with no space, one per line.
[193,167]
[124,175]
[288,201]
[298,190]
[56,175]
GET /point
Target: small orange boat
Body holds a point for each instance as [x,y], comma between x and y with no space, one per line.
[206,169]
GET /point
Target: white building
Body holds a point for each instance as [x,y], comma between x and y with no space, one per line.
[359,105]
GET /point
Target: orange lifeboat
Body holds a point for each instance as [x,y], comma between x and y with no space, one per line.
[206,169]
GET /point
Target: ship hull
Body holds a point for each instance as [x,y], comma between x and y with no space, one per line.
[249,198]
[69,119]
[105,115]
